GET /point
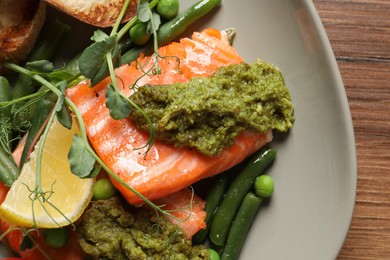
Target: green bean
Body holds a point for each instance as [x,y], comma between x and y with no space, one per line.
[240,226]
[45,49]
[134,53]
[239,188]
[264,187]
[9,172]
[56,237]
[170,30]
[5,95]
[72,65]
[48,42]
[213,199]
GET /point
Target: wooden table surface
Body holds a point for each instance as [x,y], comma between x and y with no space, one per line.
[359,32]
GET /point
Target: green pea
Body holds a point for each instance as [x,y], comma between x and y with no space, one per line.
[168,9]
[139,33]
[213,254]
[56,237]
[264,186]
[243,183]
[103,189]
[169,31]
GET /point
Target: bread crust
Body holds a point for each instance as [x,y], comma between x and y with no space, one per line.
[20,24]
[100,13]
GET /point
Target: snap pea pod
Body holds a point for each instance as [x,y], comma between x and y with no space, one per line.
[170,30]
[243,183]
[213,199]
[5,95]
[47,45]
[43,109]
[9,172]
[5,114]
[240,227]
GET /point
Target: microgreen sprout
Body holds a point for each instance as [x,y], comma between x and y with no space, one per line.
[37,194]
[83,168]
[84,161]
[100,58]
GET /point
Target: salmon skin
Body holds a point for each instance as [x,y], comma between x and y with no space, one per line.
[164,169]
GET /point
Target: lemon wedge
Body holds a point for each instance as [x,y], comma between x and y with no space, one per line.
[65,196]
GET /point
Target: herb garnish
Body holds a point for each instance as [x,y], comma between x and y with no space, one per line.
[99,59]
[85,163]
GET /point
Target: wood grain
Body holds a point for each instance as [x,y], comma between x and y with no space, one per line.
[359,31]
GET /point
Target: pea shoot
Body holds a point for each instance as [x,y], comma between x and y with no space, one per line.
[82,157]
[96,62]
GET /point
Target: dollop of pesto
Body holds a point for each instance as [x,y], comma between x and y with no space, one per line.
[112,229]
[208,113]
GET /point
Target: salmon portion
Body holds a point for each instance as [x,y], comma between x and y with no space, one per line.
[165,169]
[187,210]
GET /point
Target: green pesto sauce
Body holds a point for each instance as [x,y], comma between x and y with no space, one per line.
[208,113]
[112,229]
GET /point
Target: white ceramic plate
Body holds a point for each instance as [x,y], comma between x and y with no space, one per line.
[315,172]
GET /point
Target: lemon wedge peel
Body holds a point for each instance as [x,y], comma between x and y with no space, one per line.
[60,197]
[11,210]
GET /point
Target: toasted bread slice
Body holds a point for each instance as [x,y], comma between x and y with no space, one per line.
[100,13]
[20,24]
